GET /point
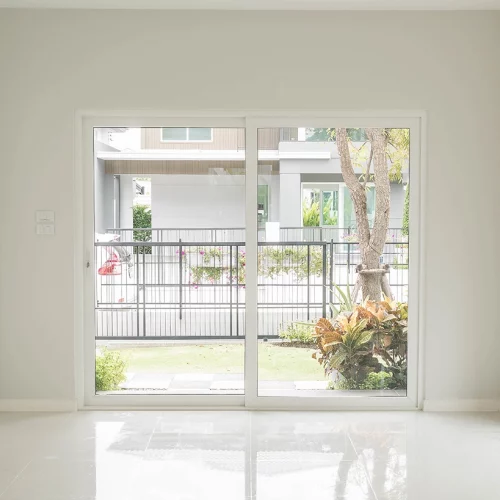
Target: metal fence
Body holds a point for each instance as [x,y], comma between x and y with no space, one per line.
[196,290]
[225,235]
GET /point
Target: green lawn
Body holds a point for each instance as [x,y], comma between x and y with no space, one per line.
[275,362]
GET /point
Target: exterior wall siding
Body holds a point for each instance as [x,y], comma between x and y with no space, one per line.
[184,167]
[222,139]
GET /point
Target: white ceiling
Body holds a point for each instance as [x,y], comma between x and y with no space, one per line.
[259,4]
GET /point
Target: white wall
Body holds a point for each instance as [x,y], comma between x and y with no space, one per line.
[198,201]
[126,200]
[290,200]
[54,62]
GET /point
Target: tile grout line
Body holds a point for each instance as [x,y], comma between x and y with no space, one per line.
[15,478]
[375,497]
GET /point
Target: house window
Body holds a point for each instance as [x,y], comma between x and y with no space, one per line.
[186,134]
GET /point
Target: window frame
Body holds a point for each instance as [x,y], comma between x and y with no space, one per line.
[87,120]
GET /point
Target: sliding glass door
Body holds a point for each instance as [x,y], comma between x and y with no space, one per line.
[332,287]
[252,261]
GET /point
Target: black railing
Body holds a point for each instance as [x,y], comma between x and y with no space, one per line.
[196,290]
[225,235]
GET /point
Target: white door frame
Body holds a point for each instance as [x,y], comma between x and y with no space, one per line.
[85,271]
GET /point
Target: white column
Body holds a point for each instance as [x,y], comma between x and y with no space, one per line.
[290,200]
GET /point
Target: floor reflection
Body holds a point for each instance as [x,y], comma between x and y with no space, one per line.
[249,455]
[254,455]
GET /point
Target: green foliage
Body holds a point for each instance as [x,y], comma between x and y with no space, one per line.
[343,384]
[272,262]
[109,370]
[370,338]
[328,134]
[275,261]
[202,273]
[398,148]
[376,380]
[141,218]
[298,332]
[310,214]
[329,220]
[346,347]
[344,299]
[319,135]
[391,341]
[215,266]
[210,255]
[406,213]
[398,152]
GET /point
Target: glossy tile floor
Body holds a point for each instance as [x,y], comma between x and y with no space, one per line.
[249,455]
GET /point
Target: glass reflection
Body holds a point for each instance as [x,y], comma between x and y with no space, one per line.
[263,456]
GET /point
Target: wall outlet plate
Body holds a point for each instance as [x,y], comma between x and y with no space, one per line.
[45,229]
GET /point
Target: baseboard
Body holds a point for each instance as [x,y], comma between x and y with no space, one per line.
[462,405]
[55,405]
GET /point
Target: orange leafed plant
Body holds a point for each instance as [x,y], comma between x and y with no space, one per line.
[357,342]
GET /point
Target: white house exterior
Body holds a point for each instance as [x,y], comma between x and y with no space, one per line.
[204,188]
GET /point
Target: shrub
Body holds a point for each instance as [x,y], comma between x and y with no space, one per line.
[370,338]
[343,384]
[376,381]
[298,332]
[346,347]
[142,218]
[310,214]
[109,370]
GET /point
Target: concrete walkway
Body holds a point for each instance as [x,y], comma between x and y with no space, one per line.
[221,383]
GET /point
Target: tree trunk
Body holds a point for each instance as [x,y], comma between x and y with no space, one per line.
[371,243]
[371,286]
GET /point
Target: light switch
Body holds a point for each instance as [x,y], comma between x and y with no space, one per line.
[45,217]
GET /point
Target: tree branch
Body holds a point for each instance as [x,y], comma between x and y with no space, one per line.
[368,166]
[358,193]
[382,190]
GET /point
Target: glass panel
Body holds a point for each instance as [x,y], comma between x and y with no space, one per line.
[174,134]
[263,204]
[315,338]
[310,207]
[200,134]
[330,208]
[328,134]
[169,306]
